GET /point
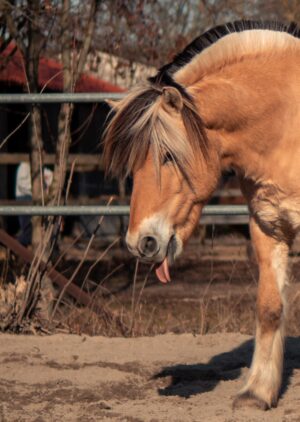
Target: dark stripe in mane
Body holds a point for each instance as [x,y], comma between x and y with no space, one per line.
[162,79]
[213,35]
[140,122]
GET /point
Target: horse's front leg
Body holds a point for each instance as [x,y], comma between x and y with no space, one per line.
[264,381]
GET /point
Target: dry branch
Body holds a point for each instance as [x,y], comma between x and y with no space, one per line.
[55,276]
[71,73]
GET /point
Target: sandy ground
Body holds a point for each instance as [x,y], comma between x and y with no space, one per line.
[162,378]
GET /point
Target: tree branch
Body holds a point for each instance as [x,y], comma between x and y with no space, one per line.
[89,31]
[6,9]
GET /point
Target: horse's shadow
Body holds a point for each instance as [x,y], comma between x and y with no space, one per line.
[189,380]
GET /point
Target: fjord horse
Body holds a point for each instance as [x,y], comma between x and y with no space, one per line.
[231,99]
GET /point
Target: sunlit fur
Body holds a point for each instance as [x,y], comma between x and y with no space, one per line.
[236,46]
[243,79]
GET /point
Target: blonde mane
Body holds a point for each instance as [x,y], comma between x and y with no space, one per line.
[233,48]
[141,122]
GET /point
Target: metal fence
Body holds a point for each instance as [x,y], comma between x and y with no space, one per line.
[59,98]
[111,210]
[91,210]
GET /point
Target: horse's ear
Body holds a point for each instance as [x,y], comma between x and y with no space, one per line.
[113,104]
[172,98]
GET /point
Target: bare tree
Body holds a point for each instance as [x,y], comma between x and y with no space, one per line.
[30,41]
[31,25]
[152,31]
[73,61]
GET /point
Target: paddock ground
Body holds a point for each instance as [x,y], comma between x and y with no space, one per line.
[162,378]
[185,351]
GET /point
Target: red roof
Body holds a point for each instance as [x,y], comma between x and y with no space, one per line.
[50,75]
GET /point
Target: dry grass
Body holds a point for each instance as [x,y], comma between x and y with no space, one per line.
[147,308]
[207,295]
[159,317]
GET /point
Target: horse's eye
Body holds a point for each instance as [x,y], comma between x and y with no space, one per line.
[167,158]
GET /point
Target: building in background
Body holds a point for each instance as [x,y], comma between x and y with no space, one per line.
[122,72]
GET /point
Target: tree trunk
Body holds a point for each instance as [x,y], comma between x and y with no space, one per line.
[36,149]
[36,143]
[71,73]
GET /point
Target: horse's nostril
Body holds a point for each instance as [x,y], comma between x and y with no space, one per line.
[148,246]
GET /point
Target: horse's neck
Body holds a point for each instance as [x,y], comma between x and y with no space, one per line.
[245,105]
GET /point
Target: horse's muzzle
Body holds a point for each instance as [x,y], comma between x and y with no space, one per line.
[148,246]
[152,249]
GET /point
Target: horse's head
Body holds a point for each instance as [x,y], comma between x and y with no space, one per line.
[157,135]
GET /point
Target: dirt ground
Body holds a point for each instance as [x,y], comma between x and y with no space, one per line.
[163,378]
[175,373]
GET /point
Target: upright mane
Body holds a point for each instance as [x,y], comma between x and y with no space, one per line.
[210,37]
[141,122]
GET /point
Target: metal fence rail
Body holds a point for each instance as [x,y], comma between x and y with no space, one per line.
[115,210]
[59,98]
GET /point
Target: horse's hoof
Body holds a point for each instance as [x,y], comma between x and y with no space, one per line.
[249,399]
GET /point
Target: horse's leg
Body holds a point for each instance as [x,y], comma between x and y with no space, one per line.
[264,382]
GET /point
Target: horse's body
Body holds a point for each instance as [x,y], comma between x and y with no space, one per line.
[243,79]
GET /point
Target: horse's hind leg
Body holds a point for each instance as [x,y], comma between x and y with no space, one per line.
[264,381]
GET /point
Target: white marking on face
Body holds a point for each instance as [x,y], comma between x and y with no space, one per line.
[156,225]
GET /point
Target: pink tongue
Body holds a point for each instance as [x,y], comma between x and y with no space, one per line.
[162,272]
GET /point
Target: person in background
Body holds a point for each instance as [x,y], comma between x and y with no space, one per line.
[24,193]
